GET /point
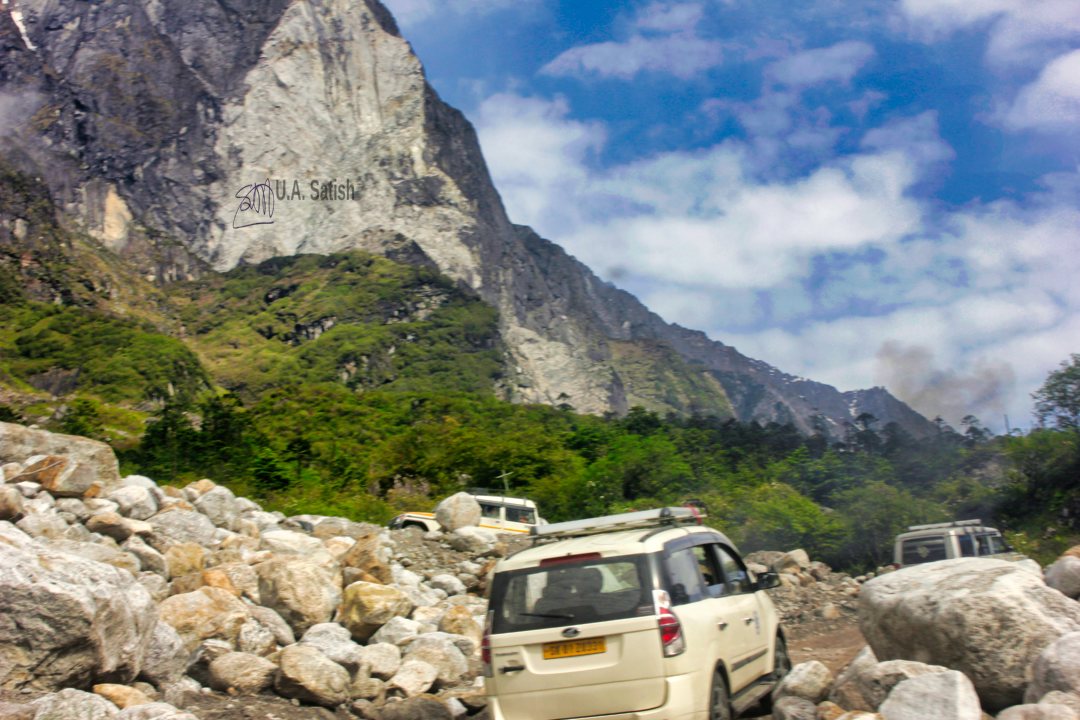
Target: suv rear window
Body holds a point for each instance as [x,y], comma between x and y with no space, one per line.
[923,549]
[571,593]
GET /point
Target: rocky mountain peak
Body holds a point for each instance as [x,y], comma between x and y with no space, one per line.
[187,135]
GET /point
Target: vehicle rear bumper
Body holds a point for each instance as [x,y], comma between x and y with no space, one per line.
[680,703]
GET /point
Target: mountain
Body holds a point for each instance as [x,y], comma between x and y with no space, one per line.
[190,136]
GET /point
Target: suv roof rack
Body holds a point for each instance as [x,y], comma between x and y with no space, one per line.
[954,523]
[640,520]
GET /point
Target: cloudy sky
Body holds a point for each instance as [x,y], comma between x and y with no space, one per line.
[862,193]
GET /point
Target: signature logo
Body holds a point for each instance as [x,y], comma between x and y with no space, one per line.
[256,205]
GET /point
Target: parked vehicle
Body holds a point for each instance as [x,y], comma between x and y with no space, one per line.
[497,512]
[944,541]
[646,615]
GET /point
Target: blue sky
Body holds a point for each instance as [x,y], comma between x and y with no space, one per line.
[862,193]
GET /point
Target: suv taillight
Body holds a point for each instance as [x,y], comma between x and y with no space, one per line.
[485,645]
[671,637]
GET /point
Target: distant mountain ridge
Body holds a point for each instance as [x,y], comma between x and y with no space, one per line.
[151,124]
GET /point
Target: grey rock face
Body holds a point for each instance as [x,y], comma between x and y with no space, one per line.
[70,703]
[458,511]
[809,680]
[1064,575]
[307,674]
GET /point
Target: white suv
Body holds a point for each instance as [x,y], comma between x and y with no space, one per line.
[639,616]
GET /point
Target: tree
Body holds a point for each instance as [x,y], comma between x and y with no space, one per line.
[1058,400]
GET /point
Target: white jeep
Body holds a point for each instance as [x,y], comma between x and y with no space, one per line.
[497,512]
[639,616]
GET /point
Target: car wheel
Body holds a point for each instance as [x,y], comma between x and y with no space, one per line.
[719,701]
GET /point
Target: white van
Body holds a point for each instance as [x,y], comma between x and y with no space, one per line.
[639,616]
[944,541]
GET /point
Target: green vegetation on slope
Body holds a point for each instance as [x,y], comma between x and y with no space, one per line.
[356,319]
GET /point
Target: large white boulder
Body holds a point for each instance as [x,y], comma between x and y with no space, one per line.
[808,680]
[458,511]
[942,696]
[66,621]
[986,618]
[302,591]
[17,443]
[366,607]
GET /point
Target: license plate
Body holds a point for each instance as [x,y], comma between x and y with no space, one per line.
[574,648]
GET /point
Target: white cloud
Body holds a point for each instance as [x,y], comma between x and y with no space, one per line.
[1052,101]
[837,63]
[663,39]
[1020,31]
[815,273]
[916,137]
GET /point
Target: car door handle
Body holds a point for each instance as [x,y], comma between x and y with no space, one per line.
[748,620]
[511,668]
[723,625]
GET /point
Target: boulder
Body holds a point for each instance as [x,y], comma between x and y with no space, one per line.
[942,696]
[122,696]
[413,678]
[306,674]
[439,651]
[134,501]
[793,562]
[70,703]
[149,559]
[1040,711]
[116,526]
[986,618]
[17,443]
[302,592]
[791,707]
[367,555]
[1057,667]
[458,511]
[366,607]
[11,503]
[398,631]
[423,707]
[185,558]
[865,685]
[241,578]
[166,657]
[175,525]
[255,638]
[1064,575]
[154,711]
[273,622]
[808,680]
[335,642]
[1056,697]
[459,621]
[241,673]
[381,659]
[65,620]
[447,583]
[218,504]
[204,613]
[476,540]
[288,542]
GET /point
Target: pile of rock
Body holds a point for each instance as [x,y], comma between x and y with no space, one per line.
[809,590]
[133,598]
[951,640]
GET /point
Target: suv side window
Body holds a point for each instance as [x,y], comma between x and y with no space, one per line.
[684,577]
[710,573]
[967,545]
[736,578]
[491,512]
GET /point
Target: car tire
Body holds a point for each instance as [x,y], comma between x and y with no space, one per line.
[781,667]
[719,699]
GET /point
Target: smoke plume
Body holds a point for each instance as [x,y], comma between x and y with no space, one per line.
[911,374]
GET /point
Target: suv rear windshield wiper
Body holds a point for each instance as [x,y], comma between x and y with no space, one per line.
[557,616]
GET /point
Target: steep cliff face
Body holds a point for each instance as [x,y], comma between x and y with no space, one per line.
[188,133]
